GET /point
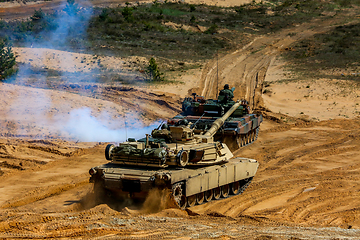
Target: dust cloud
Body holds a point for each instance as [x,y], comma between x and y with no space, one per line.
[158,200]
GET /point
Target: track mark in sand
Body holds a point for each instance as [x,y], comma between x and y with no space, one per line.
[14,149]
[210,79]
[316,178]
[306,174]
[42,193]
[246,68]
[241,69]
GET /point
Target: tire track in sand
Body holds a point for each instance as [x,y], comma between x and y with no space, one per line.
[246,68]
[308,175]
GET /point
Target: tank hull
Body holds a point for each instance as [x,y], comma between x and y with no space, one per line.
[188,185]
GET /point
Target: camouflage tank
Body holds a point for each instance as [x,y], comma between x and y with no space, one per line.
[194,167]
[240,129]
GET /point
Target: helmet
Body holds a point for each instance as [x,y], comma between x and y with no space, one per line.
[226,86]
[164,126]
[184,122]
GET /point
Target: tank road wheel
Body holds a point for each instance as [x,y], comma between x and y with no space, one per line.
[200,197]
[208,195]
[182,158]
[225,191]
[108,149]
[217,193]
[253,135]
[235,188]
[243,140]
[191,200]
[179,197]
[238,141]
[248,137]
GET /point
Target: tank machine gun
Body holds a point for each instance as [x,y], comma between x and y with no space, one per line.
[194,167]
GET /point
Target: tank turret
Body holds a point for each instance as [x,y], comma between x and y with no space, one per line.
[239,128]
[174,146]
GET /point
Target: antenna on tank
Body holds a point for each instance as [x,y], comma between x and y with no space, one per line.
[217,73]
[125,128]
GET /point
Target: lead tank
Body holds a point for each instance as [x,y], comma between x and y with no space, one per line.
[194,167]
[241,128]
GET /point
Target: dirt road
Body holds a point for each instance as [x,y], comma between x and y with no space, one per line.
[307,185]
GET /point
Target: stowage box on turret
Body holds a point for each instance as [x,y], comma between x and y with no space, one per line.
[194,167]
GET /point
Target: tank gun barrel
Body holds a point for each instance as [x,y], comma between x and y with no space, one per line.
[220,121]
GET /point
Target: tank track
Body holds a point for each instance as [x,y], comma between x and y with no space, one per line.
[225,191]
[248,138]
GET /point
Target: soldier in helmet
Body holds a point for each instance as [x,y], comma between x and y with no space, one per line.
[165,126]
[226,94]
[164,133]
[183,122]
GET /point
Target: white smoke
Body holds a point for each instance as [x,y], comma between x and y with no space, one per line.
[37,116]
[87,128]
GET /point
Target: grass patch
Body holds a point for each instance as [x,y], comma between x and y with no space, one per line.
[335,54]
[140,29]
[200,31]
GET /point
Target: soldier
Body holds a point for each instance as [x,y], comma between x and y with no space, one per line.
[182,122]
[163,133]
[226,94]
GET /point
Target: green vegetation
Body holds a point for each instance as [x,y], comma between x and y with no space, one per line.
[146,34]
[141,29]
[178,31]
[153,73]
[7,60]
[333,50]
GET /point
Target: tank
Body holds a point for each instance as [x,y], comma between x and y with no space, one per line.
[193,167]
[241,128]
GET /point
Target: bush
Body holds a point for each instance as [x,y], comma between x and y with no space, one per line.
[7,60]
[212,29]
[153,73]
[38,15]
[127,12]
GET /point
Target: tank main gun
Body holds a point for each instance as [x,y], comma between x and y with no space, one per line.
[220,121]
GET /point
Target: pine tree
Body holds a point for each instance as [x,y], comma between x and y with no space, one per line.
[153,72]
[7,60]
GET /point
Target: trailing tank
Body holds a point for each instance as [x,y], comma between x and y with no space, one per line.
[194,167]
[241,128]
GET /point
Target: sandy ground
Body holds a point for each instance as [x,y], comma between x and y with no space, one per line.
[307,185]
